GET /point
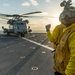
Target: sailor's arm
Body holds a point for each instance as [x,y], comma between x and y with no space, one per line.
[49,36]
[52,36]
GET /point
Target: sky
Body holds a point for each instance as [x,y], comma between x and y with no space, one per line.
[49,8]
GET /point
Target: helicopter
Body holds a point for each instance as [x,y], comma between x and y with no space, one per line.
[17,25]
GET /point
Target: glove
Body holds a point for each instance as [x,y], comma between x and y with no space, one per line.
[48,26]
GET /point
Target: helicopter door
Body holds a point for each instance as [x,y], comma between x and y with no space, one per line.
[15,28]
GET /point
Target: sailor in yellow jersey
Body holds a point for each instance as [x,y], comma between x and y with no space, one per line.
[64,60]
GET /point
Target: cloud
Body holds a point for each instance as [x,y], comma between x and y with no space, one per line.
[6,4]
[73,1]
[34,2]
[47,0]
[26,4]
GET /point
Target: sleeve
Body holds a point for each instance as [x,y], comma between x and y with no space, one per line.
[54,35]
[70,69]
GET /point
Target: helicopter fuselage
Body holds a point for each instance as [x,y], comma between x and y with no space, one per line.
[16,26]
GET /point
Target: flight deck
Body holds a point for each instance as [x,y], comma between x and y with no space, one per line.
[24,55]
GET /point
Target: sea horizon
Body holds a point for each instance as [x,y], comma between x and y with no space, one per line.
[34,31]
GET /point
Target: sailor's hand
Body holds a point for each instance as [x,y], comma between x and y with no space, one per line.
[48,26]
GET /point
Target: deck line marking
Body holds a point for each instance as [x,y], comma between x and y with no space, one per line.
[38,44]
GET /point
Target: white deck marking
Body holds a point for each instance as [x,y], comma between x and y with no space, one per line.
[34,68]
[38,44]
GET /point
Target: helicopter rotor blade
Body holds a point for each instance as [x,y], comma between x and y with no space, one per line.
[32,16]
[24,15]
[5,15]
[17,15]
[4,18]
[32,13]
[38,16]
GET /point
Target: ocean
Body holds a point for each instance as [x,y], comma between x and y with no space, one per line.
[33,31]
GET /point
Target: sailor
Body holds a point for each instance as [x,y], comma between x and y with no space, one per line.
[64,60]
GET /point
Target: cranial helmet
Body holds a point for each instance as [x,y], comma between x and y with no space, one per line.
[67,17]
[70,13]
